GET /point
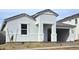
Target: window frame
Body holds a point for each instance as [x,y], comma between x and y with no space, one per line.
[23,29]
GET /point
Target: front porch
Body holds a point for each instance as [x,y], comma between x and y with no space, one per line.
[47,33]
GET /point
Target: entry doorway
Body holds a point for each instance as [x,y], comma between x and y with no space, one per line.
[49,34]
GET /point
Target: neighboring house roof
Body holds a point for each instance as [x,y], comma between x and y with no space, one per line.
[13,18]
[42,12]
[59,24]
[70,17]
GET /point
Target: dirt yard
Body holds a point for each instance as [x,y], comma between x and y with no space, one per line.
[40,46]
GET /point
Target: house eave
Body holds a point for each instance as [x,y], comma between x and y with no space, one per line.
[13,18]
[41,12]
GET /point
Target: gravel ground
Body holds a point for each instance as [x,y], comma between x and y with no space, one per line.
[40,46]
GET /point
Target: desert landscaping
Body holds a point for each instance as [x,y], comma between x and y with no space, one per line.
[40,46]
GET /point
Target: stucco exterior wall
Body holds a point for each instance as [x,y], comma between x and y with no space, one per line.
[14,28]
[46,19]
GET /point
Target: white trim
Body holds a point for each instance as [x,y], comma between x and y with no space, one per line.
[62,28]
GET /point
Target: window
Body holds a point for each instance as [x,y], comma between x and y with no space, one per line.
[75,21]
[24,29]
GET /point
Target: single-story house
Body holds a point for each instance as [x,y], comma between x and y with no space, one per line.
[40,27]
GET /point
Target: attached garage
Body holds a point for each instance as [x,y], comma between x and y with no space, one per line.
[64,32]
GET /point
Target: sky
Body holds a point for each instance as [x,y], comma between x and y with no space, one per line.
[6,13]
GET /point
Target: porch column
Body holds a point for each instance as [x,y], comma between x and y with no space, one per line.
[71,35]
[40,32]
[53,34]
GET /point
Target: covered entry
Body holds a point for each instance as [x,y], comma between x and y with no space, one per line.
[47,32]
[62,35]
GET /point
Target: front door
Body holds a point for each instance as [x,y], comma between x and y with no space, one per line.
[49,34]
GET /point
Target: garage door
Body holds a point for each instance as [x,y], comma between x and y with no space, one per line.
[62,35]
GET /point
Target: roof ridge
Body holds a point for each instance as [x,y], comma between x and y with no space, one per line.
[41,12]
